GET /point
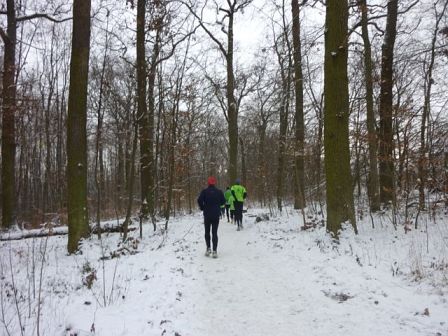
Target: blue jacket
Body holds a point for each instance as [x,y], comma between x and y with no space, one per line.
[210,201]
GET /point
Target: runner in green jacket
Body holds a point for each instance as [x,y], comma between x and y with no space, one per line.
[227,195]
[232,208]
[239,193]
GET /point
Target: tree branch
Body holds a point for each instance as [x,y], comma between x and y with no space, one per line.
[373,18]
[173,48]
[37,16]
[209,33]
[224,10]
[41,16]
[4,36]
[218,95]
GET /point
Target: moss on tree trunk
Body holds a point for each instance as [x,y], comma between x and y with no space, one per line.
[78,223]
[340,206]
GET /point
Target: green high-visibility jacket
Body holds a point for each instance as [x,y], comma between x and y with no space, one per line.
[227,196]
[239,192]
[231,203]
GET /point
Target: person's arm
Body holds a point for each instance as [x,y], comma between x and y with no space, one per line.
[223,199]
[201,200]
[233,194]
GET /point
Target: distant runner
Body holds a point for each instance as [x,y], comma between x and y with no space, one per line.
[239,194]
[210,201]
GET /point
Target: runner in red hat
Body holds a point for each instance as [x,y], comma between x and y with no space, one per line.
[210,201]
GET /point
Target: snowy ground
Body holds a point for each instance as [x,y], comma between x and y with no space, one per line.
[270,279]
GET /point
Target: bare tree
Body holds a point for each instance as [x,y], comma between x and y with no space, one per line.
[340,206]
[423,159]
[386,167]
[299,148]
[78,220]
[10,75]
[233,7]
[283,50]
[373,182]
[8,118]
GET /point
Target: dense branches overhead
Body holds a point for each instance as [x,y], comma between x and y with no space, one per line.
[234,89]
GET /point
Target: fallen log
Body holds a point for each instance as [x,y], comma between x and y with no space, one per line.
[55,231]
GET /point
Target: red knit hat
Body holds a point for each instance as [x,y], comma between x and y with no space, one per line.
[211,180]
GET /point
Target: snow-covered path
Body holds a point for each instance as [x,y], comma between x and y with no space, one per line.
[269,279]
[244,290]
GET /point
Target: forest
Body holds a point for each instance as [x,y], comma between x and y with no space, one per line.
[332,113]
[170,94]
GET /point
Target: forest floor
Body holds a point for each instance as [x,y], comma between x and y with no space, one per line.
[272,278]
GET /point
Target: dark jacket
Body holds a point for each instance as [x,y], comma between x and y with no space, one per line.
[210,200]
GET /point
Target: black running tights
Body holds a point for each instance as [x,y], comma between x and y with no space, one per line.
[211,224]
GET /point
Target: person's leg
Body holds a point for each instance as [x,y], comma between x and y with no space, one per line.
[238,212]
[207,225]
[232,215]
[241,218]
[215,225]
[227,212]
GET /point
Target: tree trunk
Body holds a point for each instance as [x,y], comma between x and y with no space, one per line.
[142,110]
[261,168]
[423,160]
[48,178]
[99,164]
[173,138]
[188,159]
[171,159]
[231,107]
[77,121]
[8,120]
[386,167]
[340,206]
[120,184]
[282,136]
[373,183]
[243,163]
[299,167]
[130,185]
[285,73]
[150,169]
[445,165]
[318,151]
[60,145]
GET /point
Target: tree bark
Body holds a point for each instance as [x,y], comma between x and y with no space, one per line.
[445,166]
[340,206]
[261,167]
[48,178]
[78,221]
[150,169]
[142,110]
[373,182]
[284,111]
[8,120]
[172,157]
[299,167]
[285,73]
[99,162]
[231,106]
[386,166]
[130,185]
[243,162]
